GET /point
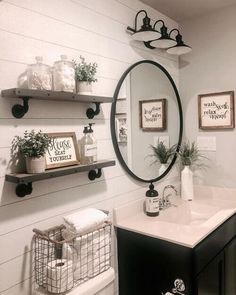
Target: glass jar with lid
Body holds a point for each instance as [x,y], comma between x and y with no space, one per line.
[64,75]
[39,75]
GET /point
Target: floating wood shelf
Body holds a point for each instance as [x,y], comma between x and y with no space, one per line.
[24,181]
[19,111]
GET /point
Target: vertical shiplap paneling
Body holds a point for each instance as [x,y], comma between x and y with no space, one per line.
[95,29]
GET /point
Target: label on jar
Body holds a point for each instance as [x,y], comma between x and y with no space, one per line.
[90,150]
[152,204]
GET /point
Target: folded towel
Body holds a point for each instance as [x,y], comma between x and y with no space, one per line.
[85,220]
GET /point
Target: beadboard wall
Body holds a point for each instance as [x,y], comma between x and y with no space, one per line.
[95,29]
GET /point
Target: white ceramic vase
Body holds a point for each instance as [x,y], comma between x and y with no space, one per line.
[84,87]
[35,165]
[187,184]
[162,169]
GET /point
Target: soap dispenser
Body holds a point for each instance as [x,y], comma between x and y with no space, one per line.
[88,146]
[93,146]
[152,201]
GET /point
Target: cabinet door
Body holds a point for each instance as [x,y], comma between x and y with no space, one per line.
[230,268]
[211,280]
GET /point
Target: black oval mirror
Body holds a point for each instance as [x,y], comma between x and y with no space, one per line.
[146,110]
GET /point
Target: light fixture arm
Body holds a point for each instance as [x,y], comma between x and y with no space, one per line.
[136,18]
[146,22]
[178,37]
[159,21]
[174,30]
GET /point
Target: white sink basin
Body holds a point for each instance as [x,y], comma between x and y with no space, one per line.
[186,225]
[189,213]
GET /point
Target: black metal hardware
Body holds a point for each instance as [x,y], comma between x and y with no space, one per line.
[113,125]
[18,110]
[23,189]
[92,175]
[91,112]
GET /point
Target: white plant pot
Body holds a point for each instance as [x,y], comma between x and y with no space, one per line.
[35,165]
[187,184]
[162,169]
[83,87]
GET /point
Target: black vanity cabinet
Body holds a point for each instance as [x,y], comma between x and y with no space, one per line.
[152,266]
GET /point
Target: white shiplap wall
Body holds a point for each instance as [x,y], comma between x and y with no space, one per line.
[95,29]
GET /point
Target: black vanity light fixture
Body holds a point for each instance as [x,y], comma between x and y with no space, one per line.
[180,48]
[146,32]
[153,38]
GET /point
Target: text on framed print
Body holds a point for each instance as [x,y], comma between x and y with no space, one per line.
[216,110]
[152,114]
[63,150]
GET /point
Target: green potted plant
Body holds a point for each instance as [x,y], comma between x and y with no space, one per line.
[189,156]
[163,155]
[33,146]
[84,75]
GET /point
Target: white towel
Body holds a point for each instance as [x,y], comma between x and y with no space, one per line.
[85,220]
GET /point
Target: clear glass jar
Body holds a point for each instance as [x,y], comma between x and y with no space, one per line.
[39,75]
[64,75]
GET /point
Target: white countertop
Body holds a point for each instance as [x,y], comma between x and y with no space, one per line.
[216,203]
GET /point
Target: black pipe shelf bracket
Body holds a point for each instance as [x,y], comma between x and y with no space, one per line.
[91,112]
[24,181]
[93,174]
[23,189]
[18,110]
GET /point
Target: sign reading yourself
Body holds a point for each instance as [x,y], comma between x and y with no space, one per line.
[62,151]
[216,111]
[153,114]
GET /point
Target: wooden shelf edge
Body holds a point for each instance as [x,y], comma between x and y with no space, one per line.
[53,95]
[52,173]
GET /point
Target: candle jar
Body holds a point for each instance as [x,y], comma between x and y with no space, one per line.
[39,75]
[64,75]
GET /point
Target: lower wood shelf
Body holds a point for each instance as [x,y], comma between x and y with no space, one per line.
[24,181]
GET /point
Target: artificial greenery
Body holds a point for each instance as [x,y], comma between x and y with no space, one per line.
[189,154]
[32,144]
[162,153]
[85,71]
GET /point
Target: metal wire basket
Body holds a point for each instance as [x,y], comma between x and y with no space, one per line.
[63,261]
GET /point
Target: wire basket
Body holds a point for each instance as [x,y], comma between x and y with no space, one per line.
[63,261]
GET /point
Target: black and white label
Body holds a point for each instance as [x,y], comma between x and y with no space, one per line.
[152,204]
[90,150]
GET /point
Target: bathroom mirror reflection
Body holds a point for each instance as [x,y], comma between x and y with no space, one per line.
[146,111]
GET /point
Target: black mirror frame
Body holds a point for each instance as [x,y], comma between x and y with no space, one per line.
[112,122]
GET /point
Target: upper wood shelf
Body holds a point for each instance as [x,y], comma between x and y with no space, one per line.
[19,111]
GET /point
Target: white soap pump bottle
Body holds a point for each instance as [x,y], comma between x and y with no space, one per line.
[93,147]
[85,142]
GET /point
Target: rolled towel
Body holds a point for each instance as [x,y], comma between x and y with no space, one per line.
[85,220]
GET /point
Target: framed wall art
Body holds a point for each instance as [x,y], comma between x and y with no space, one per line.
[63,150]
[216,110]
[121,129]
[152,114]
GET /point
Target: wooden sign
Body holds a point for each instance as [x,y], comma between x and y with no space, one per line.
[216,110]
[63,150]
[152,114]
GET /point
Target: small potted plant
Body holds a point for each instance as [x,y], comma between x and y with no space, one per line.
[163,155]
[33,146]
[84,75]
[189,156]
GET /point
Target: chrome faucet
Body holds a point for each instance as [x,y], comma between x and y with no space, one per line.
[165,201]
